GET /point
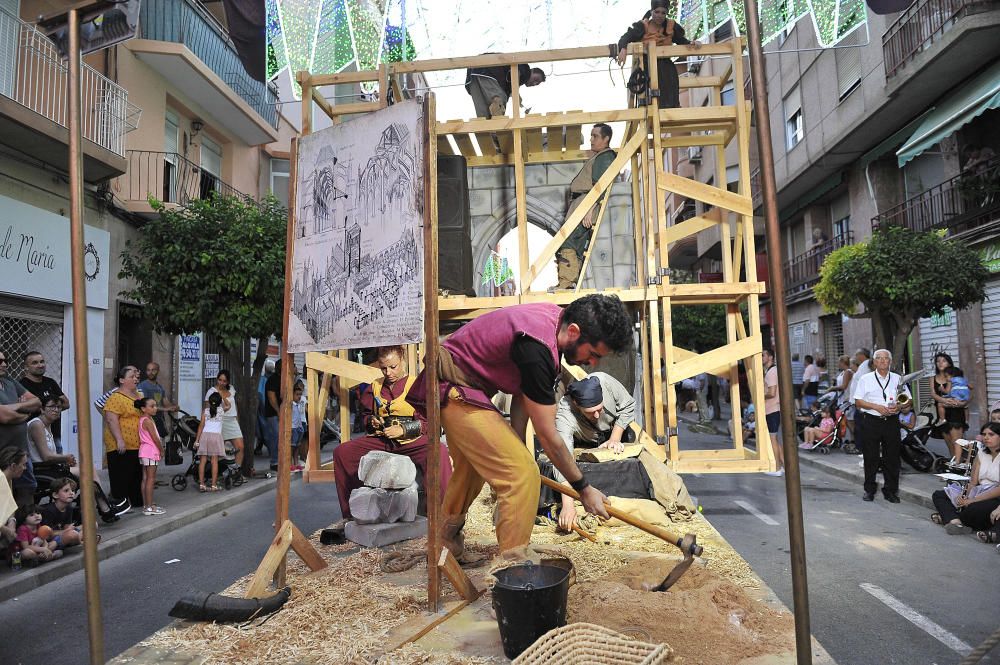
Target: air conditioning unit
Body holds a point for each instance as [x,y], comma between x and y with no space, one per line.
[694,63]
[694,154]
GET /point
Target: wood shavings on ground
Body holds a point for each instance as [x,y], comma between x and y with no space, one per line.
[595,560]
[342,614]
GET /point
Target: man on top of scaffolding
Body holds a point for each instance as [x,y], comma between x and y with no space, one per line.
[569,258]
[516,350]
[490,87]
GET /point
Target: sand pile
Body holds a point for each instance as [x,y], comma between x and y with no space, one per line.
[705,618]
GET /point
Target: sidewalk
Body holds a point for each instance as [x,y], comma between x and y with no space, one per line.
[914,486]
[134,528]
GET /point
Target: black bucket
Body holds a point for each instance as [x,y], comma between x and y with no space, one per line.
[529,601]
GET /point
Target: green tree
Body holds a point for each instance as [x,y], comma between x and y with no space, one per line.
[215,266]
[896,275]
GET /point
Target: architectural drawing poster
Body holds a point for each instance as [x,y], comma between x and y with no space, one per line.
[358,257]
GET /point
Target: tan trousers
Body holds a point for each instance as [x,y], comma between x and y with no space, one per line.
[568,267]
[484,448]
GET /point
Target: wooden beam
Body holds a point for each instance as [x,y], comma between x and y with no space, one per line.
[318,476]
[465,145]
[424,625]
[574,136]
[383,86]
[444,147]
[684,354]
[453,571]
[533,141]
[301,546]
[273,557]
[710,194]
[689,227]
[589,199]
[693,140]
[593,241]
[745,348]
[313,414]
[355,107]
[486,145]
[342,368]
[552,120]
[344,77]
[317,96]
[554,137]
[544,157]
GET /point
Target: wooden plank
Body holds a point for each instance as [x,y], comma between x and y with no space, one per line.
[677,117]
[273,557]
[344,400]
[301,545]
[694,140]
[700,82]
[355,107]
[684,354]
[714,454]
[589,199]
[658,451]
[344,77]
[718,466]
[424,624]
[317,96]
[685,369]
[716,196]
[530,158]
[551,120]
[453,571]
[574,135]
[465,145]
[548,55]
[721,288]
[342,367]
[319,475]
[383,86]
[554,137]
[533,141]
[689,227]
[444,147]
[313,413]
[506,143]
[432,479]
[486,145]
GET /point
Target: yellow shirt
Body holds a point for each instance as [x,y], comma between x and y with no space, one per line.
[128,422]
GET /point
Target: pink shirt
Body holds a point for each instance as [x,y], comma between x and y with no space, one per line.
[147,447]
[771,404]
[827,425]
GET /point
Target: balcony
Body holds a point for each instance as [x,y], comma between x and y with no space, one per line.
[168,177]
[802,272]
[34,106]
[188,47]
[967,201]
[934,42]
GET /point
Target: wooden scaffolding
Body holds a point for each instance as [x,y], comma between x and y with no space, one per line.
[520,140]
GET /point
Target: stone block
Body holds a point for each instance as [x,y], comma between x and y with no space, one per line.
[552,196]
[387,470]
[562,173]
[371,505]
[534,175]
[623,249]
[603,278]
[480,202]
[379,535]
[492,177]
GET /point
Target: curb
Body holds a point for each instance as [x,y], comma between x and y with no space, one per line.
[50,572]
[905,494]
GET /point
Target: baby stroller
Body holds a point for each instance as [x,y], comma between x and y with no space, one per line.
[230,475]
[913,449]
[834,439]
[181,437]
[45,473]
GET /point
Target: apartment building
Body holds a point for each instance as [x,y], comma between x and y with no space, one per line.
[895,125]
[171,114]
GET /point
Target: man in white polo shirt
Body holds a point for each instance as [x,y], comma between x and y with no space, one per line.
[875,396]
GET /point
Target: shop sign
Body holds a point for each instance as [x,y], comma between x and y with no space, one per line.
[991,257]
[35,255]
[190,360]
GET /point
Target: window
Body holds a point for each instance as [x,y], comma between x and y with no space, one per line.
[849,64]
[171,132]
[211,166]
[728,95]
[840,213]
[794,130]
[279,180]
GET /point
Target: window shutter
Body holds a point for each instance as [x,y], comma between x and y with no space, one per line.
[849,63]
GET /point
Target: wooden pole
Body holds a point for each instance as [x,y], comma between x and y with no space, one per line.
[520,193]
[432,481]
[285,412]
[81,354]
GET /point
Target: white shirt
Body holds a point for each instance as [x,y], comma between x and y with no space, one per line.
[877,389]
[231,411]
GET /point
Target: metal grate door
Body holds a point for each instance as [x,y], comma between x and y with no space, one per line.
[28,327]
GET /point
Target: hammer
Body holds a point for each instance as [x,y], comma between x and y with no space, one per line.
[688,545]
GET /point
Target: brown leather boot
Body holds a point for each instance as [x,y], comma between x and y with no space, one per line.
[453,538]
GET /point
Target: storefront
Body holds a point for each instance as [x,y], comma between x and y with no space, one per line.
[991,324]
[939,333]
[35,297]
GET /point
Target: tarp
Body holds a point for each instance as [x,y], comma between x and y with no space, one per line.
[970,101]
[246,20]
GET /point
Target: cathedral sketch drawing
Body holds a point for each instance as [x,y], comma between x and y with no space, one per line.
[358,254]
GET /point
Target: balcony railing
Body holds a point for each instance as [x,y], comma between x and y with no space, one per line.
[803,270]
[966,201]
[170,178]
[920,24]
[32,74]
[186,22]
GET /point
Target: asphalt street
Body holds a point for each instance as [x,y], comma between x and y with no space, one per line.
[885,584]
[138,587]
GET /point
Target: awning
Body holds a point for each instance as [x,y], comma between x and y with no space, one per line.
[971,100]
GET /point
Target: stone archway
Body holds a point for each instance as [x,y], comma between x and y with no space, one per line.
[486,233]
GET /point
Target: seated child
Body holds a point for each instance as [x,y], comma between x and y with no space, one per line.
[959,389]
[995,416]
[749,421]
[33,538]
[907,418]
[59,514]
[826,426]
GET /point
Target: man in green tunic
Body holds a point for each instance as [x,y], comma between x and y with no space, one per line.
[569,258]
